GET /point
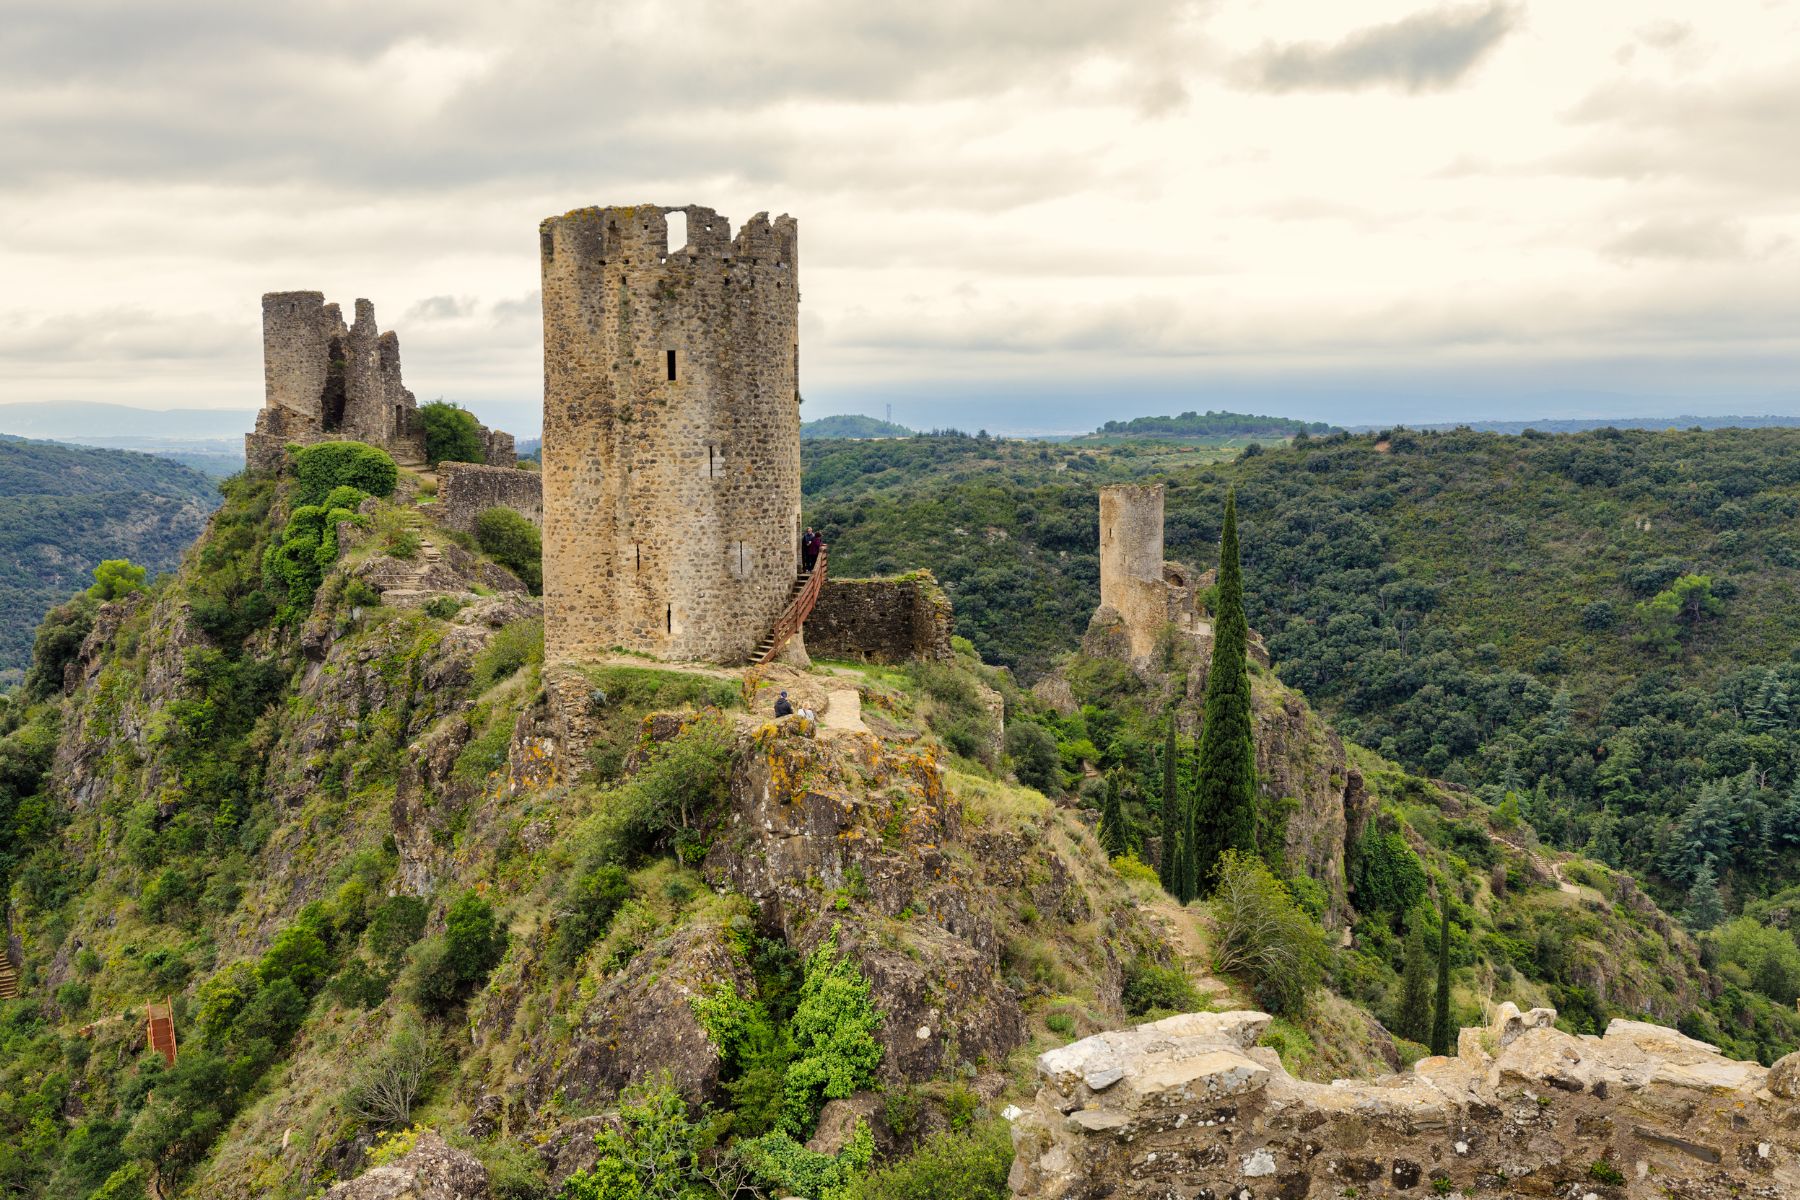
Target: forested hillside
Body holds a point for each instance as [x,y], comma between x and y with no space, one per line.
[63,509]
[1601,622]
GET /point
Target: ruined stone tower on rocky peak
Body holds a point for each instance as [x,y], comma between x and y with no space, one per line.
[1141,595]
[324,380]
[671,432]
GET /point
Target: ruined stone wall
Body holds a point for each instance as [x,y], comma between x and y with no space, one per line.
[1189,1108]
[323,380]
[671,506]
[466,490]
[881,620]
[1140,594]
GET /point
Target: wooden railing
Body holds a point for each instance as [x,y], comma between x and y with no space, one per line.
[159,1023]
[798,609]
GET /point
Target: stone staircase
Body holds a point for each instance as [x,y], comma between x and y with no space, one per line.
[412,584]
[9,977]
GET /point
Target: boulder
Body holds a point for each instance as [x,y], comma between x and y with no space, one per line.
[431,1170]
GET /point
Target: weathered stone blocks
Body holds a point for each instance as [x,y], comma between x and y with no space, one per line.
[881,620]
[466,490]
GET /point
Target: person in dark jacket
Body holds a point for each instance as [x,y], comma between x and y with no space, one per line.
[809,548]
[782,707]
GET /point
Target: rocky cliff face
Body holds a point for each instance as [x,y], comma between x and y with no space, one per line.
[1189,1108]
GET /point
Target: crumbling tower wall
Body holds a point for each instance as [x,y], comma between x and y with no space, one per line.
[324,380]
[1144,594]
[671,460]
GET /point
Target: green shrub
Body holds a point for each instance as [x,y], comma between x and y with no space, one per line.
[586,910]
[473,938]
[835,1051]
[790,1168]
[969,1164]
[514,543]
[116,577]
[1032,749]
[656,1152]
[511,648]
[1263,935]
[1151,987]
[396,925]
[1385,874]
[327,465]
[452,434]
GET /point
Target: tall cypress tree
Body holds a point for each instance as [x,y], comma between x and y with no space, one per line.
[1225,799]
[1113,837]
[1168,866]
[1414,1021]
[1441,1025]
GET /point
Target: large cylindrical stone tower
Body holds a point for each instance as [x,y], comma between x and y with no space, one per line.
[671,432]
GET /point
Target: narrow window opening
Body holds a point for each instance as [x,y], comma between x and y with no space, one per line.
[678,231]
[669,618]
[671,366]
[638,552]
[712,462]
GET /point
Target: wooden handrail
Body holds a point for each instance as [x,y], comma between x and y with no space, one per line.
[797,610]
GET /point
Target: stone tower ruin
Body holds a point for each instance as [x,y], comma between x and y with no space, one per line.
[671,432]
[324,380]
[1140,594]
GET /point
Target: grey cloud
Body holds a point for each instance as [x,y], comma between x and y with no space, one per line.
[1423,52]
[1681,239]
[530,306]
[116,335]
[1736,134]
[441,308]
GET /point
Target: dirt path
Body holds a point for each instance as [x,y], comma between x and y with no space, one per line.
[1186,934]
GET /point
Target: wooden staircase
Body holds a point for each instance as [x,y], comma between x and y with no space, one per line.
[807,586]
[9,978]
[159,1027]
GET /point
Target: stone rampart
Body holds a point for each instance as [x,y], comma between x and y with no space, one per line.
[1189,1108]
[671,432]
[881,620]
[466,490]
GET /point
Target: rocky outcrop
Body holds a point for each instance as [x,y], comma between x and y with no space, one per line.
[874,827]
[431,1170]
[1190,1108]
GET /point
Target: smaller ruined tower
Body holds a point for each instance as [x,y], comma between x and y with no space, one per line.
[323,379]
[1143,593]
[671,432]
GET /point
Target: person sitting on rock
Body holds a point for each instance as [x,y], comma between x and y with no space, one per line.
[782,707]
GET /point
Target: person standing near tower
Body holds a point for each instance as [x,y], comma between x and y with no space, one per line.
[810,542]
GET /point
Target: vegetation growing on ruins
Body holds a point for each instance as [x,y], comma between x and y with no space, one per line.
[452,434]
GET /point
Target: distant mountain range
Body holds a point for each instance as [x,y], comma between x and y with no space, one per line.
[1582,424]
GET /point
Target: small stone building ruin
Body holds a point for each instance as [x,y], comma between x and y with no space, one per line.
[323,381]
[1141,596]
[671,476]
[466,490]
[901,619]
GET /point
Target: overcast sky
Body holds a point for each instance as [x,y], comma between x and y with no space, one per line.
[1024,215]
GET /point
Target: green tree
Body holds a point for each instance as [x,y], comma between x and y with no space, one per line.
[1705,907]
[1667,617]
[1167,866]
[116,577]
[835,1051]
[452,434]
[473,938]
[1261,933]
[514,542]
[1115,839]
[1414,1021]
[1225,799]
[1443,1027]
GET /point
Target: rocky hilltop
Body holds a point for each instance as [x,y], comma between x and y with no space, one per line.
[430,916]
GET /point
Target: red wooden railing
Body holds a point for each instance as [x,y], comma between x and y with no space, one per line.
[798,609]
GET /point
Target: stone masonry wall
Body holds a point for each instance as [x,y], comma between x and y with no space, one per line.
[466,490]
[1189,1108]
[881,620]
[1140,594]
[324,380]
[671,505]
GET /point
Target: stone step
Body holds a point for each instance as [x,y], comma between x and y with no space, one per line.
[9,979]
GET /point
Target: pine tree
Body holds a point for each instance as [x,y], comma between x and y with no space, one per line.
[1225,799]
[1414,1021]
[1443,1028]
[1705,906]
[1169,865]
[1113,837]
